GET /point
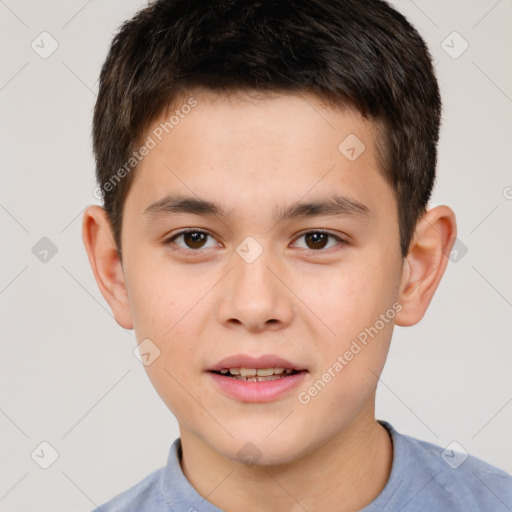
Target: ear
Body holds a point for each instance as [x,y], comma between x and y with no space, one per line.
[106,264]
[425,263]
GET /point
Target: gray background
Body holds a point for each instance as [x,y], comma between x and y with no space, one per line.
[68,374]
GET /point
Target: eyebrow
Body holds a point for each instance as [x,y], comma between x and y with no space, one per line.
[332,205]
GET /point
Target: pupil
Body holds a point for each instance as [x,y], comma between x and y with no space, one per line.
[194,239]
[318,240]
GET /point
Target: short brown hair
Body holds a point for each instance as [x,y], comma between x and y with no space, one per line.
[357,53]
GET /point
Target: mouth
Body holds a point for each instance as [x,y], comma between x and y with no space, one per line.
[257,374]
[256,379]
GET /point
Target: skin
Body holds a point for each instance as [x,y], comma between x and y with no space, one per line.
[300,301]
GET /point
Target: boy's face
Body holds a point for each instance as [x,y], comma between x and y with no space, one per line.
[287,291]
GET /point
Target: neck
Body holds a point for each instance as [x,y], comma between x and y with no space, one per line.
[346,473]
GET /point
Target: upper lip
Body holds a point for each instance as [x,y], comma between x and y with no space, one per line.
[247,361]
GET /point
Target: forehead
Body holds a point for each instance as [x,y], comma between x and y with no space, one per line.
[256,145]
[238,114]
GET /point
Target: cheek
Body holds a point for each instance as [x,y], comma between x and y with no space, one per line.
[160,296]
[347,299]
[351,303]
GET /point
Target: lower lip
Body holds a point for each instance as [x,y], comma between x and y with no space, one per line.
[263,391]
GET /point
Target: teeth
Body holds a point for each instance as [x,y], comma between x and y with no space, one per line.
[254,374]
[264,372]
[269,377]
[257,378]
[261,372]
[248,372]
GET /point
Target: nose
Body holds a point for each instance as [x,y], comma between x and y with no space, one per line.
[253,295]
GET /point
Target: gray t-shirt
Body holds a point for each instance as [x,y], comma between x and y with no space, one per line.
[424,478]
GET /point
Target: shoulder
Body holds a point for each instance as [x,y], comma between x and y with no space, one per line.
[165,489]
[453,477]
[142,497]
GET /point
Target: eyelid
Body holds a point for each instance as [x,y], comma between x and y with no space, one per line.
[340,239]
[169,240]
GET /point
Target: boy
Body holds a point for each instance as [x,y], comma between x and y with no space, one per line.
[265,170]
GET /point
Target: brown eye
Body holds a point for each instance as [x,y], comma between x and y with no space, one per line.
[319,240]
[194,239]
[316,240]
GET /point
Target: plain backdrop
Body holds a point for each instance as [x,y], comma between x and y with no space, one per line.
[68,374]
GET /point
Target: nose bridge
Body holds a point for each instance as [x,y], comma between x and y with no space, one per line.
[259,277]
[252,277]
[255,298]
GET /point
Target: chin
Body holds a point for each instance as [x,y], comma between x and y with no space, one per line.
[252,447]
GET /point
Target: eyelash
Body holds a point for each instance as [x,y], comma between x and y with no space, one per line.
[171,240]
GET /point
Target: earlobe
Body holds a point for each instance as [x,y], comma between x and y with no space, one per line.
[425,263]
[105,263]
